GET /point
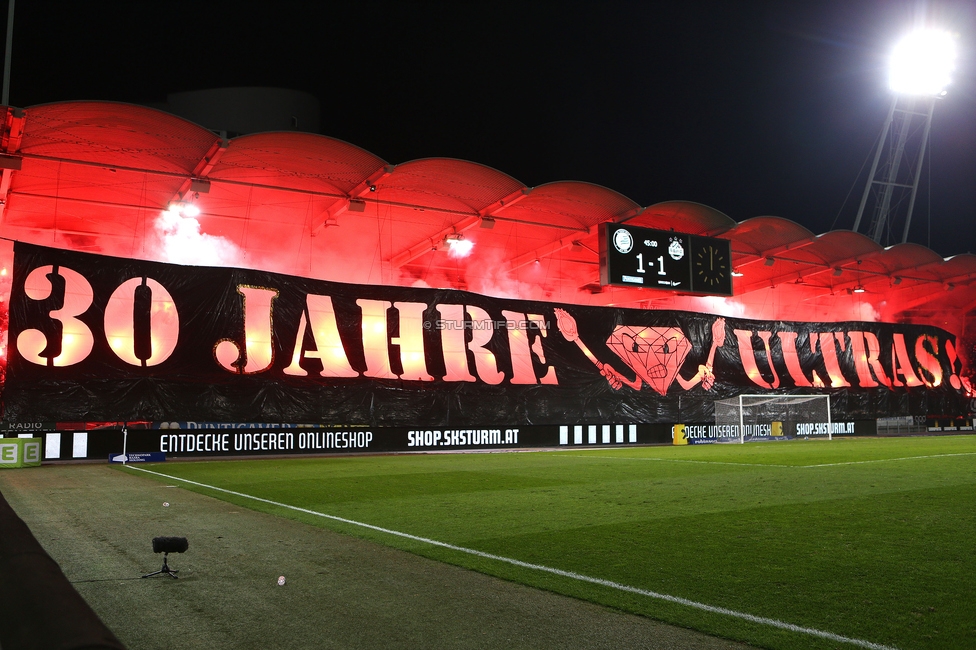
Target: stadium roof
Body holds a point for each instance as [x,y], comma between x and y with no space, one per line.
[97,176]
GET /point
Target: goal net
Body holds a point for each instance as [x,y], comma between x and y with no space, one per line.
[773,417]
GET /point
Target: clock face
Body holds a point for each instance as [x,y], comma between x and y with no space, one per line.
[711,267]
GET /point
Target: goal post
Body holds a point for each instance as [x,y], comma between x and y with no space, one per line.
[773,417]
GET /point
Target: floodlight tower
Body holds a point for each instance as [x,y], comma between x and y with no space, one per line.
[920,69]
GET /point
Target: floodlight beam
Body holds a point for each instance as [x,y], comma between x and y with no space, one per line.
[920,69]
[921,63]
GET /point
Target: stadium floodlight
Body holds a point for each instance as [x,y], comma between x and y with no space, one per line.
[458,246]
[183,209]
[922,63]
[190,210]
[920,70]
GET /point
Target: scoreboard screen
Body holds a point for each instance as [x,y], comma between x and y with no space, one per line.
[664,259]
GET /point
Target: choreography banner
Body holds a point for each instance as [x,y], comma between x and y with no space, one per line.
[100,338]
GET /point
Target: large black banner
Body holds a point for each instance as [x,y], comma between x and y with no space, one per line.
[99,338]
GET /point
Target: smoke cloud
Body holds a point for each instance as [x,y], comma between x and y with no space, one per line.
[179,240]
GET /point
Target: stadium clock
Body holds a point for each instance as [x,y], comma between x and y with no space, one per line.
[711,268]
[663,259]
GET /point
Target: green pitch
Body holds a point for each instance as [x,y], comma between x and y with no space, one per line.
[870,539]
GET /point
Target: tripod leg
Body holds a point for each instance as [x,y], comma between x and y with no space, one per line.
[170,572]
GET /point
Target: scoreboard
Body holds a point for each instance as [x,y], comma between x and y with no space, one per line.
[664,259]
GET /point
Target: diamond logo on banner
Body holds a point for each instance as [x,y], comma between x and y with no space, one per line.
[654,353]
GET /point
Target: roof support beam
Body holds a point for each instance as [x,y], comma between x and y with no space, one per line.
[906,282]
[937,294]
[280,188]
[910,274]
[565,242]
[507,202]
[762,256]
[328,216]
[13,132]
[197,182]
[368,184]
[968,307]
[434,242]
[806,273]
[930,288]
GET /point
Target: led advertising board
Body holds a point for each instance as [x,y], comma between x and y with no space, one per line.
[664,259]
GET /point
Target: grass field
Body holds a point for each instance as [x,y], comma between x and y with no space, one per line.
[873,540]
[342,592]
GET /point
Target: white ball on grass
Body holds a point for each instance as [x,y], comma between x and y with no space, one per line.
[281,581]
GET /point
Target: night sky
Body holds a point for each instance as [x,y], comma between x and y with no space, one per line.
[753,108]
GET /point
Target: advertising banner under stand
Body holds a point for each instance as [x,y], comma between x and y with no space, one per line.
[20,452]
[160,441]
[100,338]
[226,440]
[768,431]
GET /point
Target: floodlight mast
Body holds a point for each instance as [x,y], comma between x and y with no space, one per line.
[921,68]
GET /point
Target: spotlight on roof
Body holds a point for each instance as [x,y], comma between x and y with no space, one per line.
[858,289]
[458,246]
[922,63]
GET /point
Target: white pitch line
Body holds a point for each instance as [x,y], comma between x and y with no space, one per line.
[682,460]
[886,460]
[721,462]
[762,620]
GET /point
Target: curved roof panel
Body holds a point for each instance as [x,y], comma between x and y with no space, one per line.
[907,256]
[684,216]
[298,161]
[960,268]
[96,176]
[446,184]
[847,244]
[114,134]
[569,204]
[759,235]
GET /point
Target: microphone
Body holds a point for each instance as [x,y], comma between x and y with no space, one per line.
[167,545]
[170,544]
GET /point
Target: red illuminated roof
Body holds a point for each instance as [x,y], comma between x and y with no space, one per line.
[96,176]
